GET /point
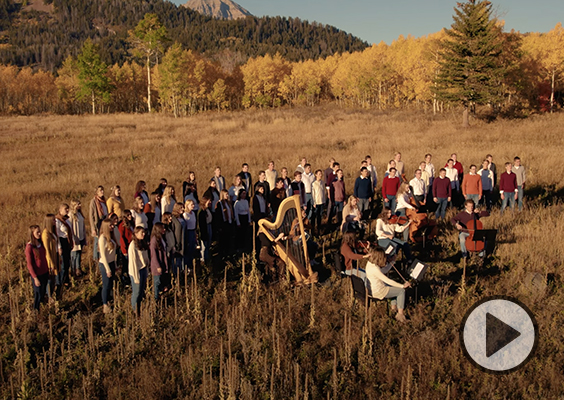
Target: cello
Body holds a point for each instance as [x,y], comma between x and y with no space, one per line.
[472,226]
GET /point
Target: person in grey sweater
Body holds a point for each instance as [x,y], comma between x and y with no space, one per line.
[519,171]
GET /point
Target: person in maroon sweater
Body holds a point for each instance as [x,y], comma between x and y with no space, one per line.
[390,186]
[442,193]
[508,188]
[337,196]
[36,257]
[461,220]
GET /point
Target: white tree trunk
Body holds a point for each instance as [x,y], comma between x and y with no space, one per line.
[149,83]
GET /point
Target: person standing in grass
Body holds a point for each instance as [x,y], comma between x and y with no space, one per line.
[219,180]
[308,178]
[338,198]
[212,194]
[297,186]
[78,228]
[442,192]
[225,219]
[177,227]
[372,173]
[205,220]
[107,247]
[115,202]
[153,210]
[36,257]
[168,199]
[419,187]
[487,178]
[301,165]
[519,172]
[235,188]
[138,213]
[246,179]
[66,244]
[141,191]
[242,213]
[492,168]
[126,227]
[260,205]
[138,262]
[318,200]
[190,194]
[363,190]
[287,181]
[98,211]
[277,196]
[329,175]
[191,183]
[430,168]
[190,225]
[472,185]
[391,164]
[262,181]
[390,186]
[452,175]
[271,174]
[159,261]
[508,188]
[51,242]
[162,186]
[400,168]
[379,286]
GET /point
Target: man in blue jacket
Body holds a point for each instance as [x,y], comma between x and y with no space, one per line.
[363,190]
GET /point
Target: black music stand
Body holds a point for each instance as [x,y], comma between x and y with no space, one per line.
[488,236]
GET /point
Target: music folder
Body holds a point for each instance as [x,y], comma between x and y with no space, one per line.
[417,270]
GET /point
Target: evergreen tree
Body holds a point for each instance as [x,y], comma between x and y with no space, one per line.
[470,65]
[94,82]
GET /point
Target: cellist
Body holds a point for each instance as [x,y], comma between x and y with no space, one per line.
[461,221]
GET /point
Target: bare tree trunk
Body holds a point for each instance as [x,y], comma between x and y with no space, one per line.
[149,83]
[93,104]
[552,93]
[465,122]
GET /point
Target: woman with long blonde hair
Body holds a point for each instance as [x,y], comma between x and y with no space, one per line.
[107,247]
[351,216]
[115,202]
[168,199]
[51,242]
[138,213]
[76,219]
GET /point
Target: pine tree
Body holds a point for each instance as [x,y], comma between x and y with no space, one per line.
[93,78]
[470,64]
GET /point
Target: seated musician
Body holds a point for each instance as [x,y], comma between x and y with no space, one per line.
[268,255]
[296,236]
[380,287]
[404,200]
[348,246]
[461,220]
[385,231]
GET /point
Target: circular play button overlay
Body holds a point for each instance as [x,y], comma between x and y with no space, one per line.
[499,334]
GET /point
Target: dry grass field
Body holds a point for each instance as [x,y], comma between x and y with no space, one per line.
[237,338]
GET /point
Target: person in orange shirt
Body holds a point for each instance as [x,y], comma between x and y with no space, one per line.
[472,185]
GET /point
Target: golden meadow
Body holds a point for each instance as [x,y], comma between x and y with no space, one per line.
[233,337]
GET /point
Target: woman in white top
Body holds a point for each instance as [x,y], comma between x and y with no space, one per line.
[190,223]
[319,197]
[66,244]
[403,201]
[242,213]
[168,200]
[385,232]
[379,286]
[138,257]
[78,236]
[137,213]
[351,216]
[107,246]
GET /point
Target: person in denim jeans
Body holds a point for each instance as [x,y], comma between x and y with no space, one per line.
[337,193]
[138,266]
[519,172]
[508,188]
[442,192]
[390,186]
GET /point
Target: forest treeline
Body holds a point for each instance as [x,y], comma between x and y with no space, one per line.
[384,76]
[29,37]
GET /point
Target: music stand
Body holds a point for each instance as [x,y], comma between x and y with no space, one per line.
[488,236]
[417,271]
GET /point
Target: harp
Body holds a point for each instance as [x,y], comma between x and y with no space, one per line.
[293,251]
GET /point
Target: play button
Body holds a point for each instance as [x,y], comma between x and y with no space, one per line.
[498,334]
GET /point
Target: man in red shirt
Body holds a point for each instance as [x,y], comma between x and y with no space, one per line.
[508,188]
[390,186]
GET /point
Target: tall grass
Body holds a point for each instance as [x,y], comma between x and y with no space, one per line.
[232,337]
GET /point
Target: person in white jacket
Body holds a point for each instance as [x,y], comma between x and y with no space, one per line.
[138,258]
[380,287]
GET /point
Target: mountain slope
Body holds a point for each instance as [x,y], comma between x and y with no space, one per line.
[222,9]
[29,37]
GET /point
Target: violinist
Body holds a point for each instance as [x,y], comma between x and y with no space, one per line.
[348,246]
[385,231]
[461,221]
[404,199]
